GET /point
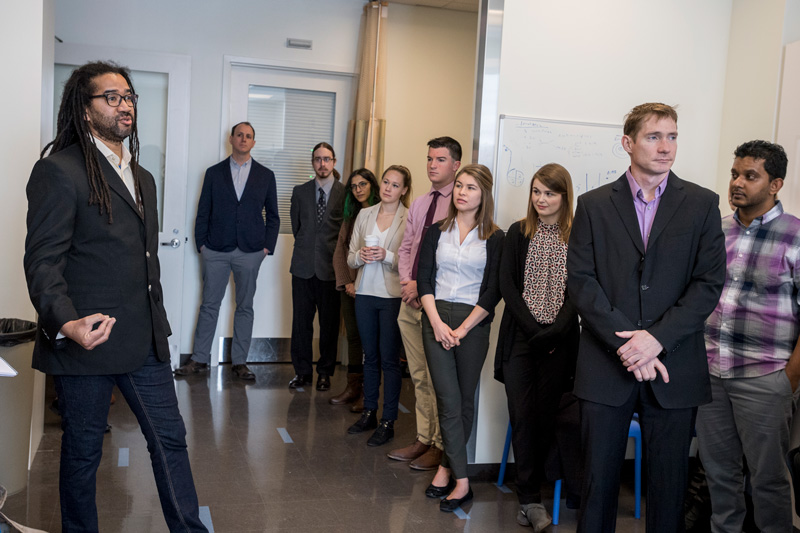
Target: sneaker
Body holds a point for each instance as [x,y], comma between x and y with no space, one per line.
[367,421]
[534,515]
[383,434]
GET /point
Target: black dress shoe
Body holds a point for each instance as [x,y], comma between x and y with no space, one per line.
[383,434]
[242,372]
[323,383]
[298,381]
[367,421]
[437,492]
[192,367]
[448,506]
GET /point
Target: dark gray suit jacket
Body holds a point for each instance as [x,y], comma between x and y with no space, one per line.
[313,247]
[78,264]
[669,289]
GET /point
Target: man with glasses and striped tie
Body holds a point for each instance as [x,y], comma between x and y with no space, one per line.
[316,215]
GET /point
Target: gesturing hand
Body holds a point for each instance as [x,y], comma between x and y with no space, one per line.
[84,333]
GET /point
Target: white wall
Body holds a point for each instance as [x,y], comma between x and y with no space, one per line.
[593,61]
[21,30]
[430,89]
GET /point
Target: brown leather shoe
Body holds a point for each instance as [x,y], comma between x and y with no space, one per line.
[351,393]
[429,460]
[242,372]
[192,367]
[410,452]
[358,407]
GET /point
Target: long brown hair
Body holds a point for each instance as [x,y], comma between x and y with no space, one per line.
[483,217]
[557,179]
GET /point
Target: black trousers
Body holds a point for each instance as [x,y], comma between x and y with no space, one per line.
[355,352]
[666,435]
[534,384]
[311,296]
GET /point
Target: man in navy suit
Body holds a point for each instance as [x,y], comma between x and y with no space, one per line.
[646,265]
[236,227]
[316,213]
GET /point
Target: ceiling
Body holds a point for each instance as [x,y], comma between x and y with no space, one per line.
[457,5]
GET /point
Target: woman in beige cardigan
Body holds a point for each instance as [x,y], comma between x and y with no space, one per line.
[376,237]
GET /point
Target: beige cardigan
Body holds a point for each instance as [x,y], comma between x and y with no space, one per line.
[364,223]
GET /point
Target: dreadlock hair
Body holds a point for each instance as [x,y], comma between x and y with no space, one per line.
[72,127]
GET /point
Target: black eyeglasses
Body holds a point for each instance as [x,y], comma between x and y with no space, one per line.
[115,99]
[319,160]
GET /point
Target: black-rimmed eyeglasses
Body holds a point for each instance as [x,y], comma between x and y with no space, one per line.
[115,99]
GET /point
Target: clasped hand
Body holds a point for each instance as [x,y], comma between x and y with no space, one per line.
[370,254]
[640,355]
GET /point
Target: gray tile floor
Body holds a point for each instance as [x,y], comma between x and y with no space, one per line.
[249,479]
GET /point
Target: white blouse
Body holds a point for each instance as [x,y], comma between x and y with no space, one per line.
[460,266]
[373,282]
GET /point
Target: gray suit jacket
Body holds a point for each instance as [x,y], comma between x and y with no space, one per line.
[314,247]
[669,289]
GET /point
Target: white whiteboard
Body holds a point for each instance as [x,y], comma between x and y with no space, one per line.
[592,153]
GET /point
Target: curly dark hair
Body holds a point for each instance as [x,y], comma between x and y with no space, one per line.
[774,156]
[72,127]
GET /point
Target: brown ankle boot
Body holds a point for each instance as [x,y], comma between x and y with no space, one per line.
[351,393]
[358,406]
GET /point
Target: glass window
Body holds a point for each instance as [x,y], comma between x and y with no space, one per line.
[288,123]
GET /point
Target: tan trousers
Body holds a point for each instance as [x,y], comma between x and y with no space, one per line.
[410,322]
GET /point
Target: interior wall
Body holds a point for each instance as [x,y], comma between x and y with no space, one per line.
[430,89]
[592,62]
[21,30]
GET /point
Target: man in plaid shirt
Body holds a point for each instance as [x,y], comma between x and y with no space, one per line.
[753,353]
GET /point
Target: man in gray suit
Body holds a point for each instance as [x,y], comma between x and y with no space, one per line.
[316,215]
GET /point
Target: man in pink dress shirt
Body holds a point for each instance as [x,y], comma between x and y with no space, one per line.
[444,158]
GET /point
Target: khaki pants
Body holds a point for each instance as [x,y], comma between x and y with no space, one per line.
[410,322]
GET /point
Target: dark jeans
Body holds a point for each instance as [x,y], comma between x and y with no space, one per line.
[83,402]
[380,336]
[355,352]
[310,296]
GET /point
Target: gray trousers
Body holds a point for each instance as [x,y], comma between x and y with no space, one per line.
[455,374]
[217,268]
[748,417]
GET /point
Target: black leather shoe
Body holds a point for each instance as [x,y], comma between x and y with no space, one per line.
[242,372]
[299,381]
[448,506]
[192,367]
[367,421]
[323,383]
[383,434]
[437,492]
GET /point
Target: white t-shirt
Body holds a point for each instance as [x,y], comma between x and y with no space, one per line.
[373,282]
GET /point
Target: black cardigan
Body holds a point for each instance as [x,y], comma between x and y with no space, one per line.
[542,338]
[489,294]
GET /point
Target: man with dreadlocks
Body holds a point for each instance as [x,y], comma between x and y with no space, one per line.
[93,276]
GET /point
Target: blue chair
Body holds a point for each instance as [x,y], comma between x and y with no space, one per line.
[634,432]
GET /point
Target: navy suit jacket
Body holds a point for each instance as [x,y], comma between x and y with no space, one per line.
[225,222]
[669,289]
[78,264]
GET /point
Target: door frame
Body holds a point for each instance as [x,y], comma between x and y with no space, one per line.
[178,69]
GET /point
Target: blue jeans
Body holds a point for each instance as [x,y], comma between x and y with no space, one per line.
[380,338]
[83,402]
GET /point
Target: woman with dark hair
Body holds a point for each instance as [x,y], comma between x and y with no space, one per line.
[361,190]
[538,341]
[377,235]
[458,287]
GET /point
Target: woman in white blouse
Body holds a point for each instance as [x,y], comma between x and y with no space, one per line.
[458,286]
[377,235]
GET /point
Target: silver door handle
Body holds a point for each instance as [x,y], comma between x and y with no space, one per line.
[174,243]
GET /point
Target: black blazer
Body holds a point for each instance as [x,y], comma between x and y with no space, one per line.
[489,294]
[669,289]
[313,247]
[225,222]
[517,318]
[78,264]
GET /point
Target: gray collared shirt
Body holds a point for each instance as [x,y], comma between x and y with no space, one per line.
[240,173]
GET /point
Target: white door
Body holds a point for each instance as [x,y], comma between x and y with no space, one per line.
[162,82]
[247,80]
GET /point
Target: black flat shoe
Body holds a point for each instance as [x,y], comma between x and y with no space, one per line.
[383,434]
[437,492]
[323,383]
[298,381]
[448,506]
[367,421]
